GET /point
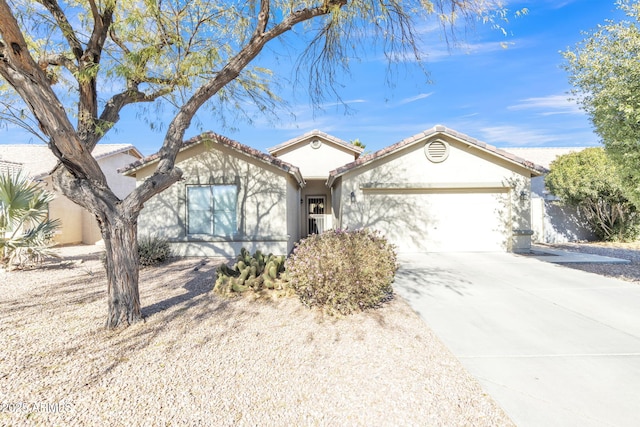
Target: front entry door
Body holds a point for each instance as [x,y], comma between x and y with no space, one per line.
[315,214]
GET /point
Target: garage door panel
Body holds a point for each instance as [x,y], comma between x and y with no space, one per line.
[445,222]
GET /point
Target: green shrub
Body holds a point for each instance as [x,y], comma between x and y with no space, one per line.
[343,271]
[26,232]
[153,250]
[255,272]
[592,182]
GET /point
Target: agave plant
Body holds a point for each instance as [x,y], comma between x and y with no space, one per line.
[26,232]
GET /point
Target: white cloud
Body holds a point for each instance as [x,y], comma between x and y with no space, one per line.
[515,136]
[415,98]
[551,105]
[436,54]
[340,104]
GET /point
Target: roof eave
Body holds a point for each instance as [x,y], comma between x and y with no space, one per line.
[354,148]
[282,165]
[534,169]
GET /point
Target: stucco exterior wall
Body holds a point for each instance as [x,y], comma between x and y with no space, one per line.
[552,221]
[120,184]
[470,201]
[316,162]
[70,216]
[263,194]
[294,208]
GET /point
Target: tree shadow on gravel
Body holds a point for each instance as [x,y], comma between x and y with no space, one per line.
[199,278]
[80,290]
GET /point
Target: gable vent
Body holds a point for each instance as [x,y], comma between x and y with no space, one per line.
[437,151]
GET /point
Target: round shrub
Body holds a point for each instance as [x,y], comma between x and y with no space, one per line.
[343,271]
[153,250]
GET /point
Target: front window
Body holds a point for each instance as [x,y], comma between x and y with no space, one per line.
[212,209]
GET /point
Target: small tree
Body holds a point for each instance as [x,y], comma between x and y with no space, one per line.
[25,230]
[603,69]
[590,181]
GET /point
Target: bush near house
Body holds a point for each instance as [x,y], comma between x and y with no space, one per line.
[590,181]
[153,250]
[26,232]
[343,271]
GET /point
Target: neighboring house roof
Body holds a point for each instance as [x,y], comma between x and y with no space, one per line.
[9,167]
[316,133]
[211,137]
[543,156]
[436,130]
[38,161]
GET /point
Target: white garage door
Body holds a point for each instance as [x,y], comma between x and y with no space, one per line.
[471,221]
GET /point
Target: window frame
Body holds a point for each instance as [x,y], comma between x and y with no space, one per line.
[211,213]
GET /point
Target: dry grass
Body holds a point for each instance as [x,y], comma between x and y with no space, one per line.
[202,360]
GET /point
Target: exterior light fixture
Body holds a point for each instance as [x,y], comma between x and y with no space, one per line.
[353,197]
[523,196]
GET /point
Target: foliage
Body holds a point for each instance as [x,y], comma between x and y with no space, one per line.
[255,272]
[153,250]
[25,230]
[604,70]
[590,181]
[358,143]
[343,271]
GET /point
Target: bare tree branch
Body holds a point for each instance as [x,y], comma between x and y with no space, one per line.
[15,117]
[58,60]
[111,112]
[67,30]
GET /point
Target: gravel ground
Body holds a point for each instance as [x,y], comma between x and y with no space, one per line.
[201,360]
[629,251]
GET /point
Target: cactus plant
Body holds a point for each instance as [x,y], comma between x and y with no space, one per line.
[256,272]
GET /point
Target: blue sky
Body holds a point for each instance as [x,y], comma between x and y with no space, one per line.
[513,96]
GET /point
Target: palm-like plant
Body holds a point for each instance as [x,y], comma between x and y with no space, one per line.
[26,232]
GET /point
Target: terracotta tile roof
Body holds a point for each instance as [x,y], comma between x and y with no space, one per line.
[438,129]
[227,142]
[316,133]
[38,161]
[106,150]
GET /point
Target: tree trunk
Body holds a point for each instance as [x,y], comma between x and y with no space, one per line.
[120,234]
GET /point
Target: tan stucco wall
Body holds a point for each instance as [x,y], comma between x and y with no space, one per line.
[471,200]
[69,214]
[263,194]
[316,162]
[293,212]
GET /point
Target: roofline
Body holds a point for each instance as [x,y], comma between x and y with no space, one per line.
[125,147]
[355,149]
[438,129]
[226,142]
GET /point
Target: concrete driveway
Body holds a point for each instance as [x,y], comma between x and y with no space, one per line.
[554,346]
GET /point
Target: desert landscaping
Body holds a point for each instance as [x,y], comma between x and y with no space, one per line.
[199,359]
